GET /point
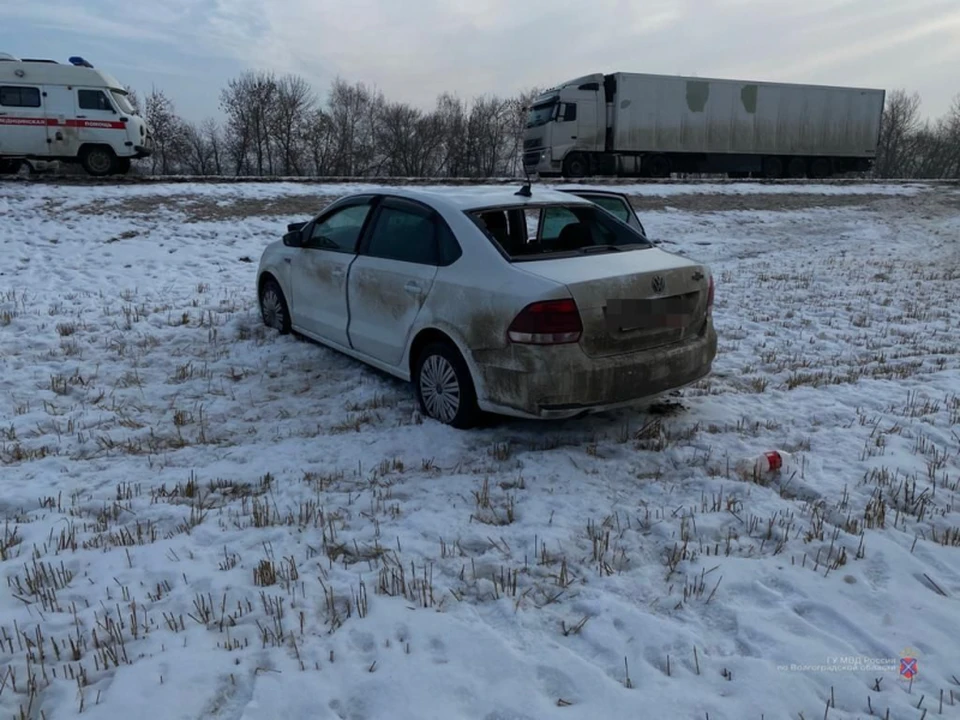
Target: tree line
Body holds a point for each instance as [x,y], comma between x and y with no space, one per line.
[276,125]
[911,147]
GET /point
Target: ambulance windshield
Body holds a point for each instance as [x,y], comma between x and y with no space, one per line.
[123,102]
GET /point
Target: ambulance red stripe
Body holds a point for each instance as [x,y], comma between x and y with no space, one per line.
[73,122]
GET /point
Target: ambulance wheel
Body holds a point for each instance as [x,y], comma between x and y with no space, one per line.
[98,160]
[123,165]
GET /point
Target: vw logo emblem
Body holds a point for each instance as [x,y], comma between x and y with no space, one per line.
[658,283]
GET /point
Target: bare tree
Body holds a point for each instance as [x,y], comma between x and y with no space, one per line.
[236,104]
[898,130]
[290,108]
[211,133]
[167,131]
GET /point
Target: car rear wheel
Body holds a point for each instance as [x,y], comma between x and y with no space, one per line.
[444,387]
[273,307]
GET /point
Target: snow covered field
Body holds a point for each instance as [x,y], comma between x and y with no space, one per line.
[203,519]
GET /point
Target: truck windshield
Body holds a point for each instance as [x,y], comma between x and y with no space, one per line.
[123,102]
[542,113]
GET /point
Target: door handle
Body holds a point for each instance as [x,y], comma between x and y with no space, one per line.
[412,288]
[288,261]
[573,137]
[81,117]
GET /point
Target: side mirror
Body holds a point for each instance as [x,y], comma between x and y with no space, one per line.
[293,239]
[295,227]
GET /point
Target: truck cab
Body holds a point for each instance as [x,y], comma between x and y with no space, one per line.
[70,113]
[562,124]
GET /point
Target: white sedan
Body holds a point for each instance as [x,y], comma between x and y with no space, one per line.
[535,304]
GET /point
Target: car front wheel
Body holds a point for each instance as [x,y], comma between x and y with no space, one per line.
[273,307]
[444,387]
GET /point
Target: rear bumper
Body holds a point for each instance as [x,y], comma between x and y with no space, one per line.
[562,382]
[142,151]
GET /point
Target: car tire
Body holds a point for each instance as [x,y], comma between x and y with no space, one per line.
[98,161]
[124,165]
[444,388]
[273,307]
[10,167]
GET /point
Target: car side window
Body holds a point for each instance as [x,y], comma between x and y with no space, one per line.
[555,219]
[339,231]
[406,235]
[93,100]
[613,205]
[14,96]
[447,246]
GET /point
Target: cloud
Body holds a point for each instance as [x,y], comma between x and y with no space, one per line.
[414,49]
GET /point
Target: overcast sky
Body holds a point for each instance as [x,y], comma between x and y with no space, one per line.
[414,49]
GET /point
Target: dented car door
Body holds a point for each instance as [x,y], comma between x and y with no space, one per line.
[320,267]
[391,278]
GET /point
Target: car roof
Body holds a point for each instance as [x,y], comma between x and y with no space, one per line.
[478,197]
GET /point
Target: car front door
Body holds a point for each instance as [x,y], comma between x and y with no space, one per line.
[391,277]
[320,267]
[616,204]
[96,119]
[23,121]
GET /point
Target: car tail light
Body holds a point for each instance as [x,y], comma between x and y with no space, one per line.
[710,293]
[552,322]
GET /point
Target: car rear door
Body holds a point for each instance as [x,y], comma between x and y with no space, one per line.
[617,204]
[319,269]
[391,278]
[23,123]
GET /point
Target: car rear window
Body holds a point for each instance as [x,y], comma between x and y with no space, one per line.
[555,230]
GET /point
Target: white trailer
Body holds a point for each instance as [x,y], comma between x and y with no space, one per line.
[67,112]
[640,124]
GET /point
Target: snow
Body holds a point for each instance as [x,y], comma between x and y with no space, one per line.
[227,523]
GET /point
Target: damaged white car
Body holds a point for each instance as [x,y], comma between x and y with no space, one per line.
[536,304]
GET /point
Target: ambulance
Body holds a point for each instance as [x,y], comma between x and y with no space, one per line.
[69,112]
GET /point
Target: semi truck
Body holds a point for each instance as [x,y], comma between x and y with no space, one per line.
[71,113]
[641,125]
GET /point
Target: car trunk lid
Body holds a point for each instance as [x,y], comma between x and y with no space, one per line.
[631,301]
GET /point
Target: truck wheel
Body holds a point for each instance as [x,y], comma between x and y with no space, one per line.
[659,166]
[821,168]
[575,166]
[9,167]
[772,168]
[98,161]
[797,168]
